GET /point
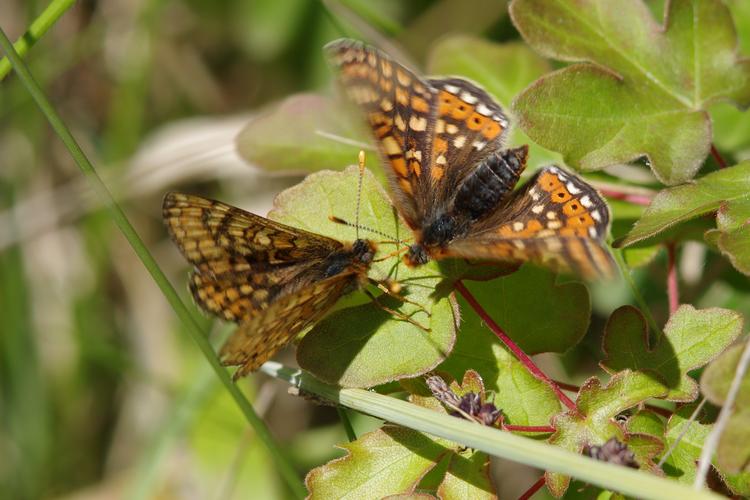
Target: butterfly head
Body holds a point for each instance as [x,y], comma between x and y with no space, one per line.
[364,251]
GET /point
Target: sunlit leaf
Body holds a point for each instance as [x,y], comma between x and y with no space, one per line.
[303,133]
[593,422]
[641,89]
[681,203]
[692,338]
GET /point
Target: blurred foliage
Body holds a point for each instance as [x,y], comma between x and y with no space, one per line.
[101,395]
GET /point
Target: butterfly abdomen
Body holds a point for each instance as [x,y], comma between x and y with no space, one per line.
[483,189]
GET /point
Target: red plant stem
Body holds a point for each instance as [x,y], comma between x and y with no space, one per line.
[717,157]
[673,292]
[534,488]
[529,428]
[567,387]
[522,356]
[637,199]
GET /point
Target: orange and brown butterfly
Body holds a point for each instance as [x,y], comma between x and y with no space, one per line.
[274,280]
[453,182]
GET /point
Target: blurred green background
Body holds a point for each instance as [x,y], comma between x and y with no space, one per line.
[102,395]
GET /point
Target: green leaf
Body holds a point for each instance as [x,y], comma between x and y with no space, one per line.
[394,460]
[504,70]
[689,438]
[681,463]
[733,452]
[641,89]
[593,423]
[302,133]
[691,339]
[467,477]
[387,461]
[524,399]
[364,346]
[681,203]
[732,235]
[555,321]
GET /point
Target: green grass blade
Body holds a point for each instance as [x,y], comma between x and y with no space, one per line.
[285,467]
[493,441]
[36,31]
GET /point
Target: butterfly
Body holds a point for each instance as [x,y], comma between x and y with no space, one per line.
[453,182]
[274,280]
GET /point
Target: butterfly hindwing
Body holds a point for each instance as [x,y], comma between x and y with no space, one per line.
[556,220]
[259,338]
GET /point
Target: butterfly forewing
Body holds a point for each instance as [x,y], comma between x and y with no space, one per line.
[430,131]
[272,279]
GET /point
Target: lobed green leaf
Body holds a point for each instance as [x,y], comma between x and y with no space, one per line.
[691,339]
[641,89]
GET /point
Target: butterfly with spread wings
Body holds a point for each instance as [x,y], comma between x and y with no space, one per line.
[453,182]
[274,280]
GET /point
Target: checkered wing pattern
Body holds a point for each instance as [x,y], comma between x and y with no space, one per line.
[268,277]
[430,131]
[556,220]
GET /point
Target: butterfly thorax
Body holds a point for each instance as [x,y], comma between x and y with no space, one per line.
[358,256]
[478,195]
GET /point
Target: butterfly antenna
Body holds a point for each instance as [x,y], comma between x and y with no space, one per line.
[339,220]
[359,189]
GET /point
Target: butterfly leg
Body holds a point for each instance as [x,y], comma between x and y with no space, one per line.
[395,313]
[392,289]
[391,254]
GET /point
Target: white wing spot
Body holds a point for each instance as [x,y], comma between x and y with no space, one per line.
[459,141]
[551,215]
[595,215]
[451,128]
[586,201]
[572,188]
[452,89]
[554,224]
[483,110]
[517,226]
[592,232]
[466,97]
[537,209]
[479,145]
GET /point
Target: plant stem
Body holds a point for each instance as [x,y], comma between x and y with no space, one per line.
[350,434]
[631,198]
[673,292]
[522,356]
[118,216]
[639,484]
[717,157]
[533,489]
[36,31]
[530,428]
